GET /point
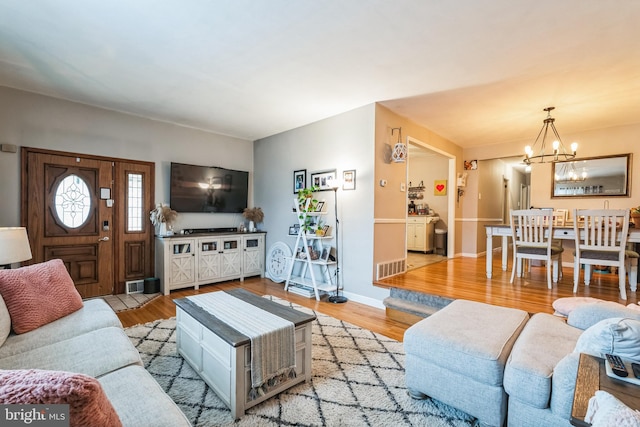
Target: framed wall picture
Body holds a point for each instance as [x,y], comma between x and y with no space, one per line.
[470,165]
[299,180]
[323,180]
[349,180]
[440,187]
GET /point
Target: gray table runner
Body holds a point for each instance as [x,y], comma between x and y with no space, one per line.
[273,351]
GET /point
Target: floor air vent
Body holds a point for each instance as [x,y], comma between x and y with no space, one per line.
[390,268]
[135,286]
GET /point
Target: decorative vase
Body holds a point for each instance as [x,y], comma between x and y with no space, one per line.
[252,226]
[162,229]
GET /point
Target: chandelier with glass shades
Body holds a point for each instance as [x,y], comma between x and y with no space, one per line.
[567,173]
[537,153]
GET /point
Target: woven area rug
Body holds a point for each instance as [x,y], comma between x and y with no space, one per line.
[357,380]
[122,302]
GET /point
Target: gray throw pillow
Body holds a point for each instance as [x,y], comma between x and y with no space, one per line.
[612,336]
[587,315]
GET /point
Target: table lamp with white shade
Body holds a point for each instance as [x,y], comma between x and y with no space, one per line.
[14,246]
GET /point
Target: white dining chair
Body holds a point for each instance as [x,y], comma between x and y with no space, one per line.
[601,239]
[532,233]
[560,217]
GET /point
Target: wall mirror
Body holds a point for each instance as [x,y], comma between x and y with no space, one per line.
[606,176]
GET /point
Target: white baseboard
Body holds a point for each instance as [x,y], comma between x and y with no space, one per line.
[365,300]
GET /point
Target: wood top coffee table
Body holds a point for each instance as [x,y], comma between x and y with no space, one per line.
[222,356]
[592,376]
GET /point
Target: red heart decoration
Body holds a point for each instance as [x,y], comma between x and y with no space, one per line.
[440,187]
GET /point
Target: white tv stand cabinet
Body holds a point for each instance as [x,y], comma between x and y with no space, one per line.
[191,260]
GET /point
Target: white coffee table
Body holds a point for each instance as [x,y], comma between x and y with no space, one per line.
[221,355]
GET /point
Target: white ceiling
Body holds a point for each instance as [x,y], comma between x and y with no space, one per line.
[475,72]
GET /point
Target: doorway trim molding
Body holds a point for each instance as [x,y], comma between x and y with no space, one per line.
[451,200]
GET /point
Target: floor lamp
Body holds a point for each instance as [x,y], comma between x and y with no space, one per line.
[337,299]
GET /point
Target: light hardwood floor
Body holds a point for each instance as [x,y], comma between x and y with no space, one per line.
[454,278]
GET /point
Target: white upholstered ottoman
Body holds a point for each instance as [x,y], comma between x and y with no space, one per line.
[458,355]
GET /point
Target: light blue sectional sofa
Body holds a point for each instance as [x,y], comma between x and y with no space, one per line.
[540,374]
[504,367]
[91,341]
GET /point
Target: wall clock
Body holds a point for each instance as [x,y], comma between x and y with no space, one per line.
[278,259]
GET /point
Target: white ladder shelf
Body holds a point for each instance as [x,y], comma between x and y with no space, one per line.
[305,245]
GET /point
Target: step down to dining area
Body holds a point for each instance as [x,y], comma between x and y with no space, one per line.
[410,306]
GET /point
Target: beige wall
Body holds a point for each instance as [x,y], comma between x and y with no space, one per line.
[481,204]
[618,140]
[601,142]
[390,200]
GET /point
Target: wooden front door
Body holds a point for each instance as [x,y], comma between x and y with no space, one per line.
[70,208]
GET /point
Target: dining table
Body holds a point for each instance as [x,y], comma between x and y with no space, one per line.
[565,232]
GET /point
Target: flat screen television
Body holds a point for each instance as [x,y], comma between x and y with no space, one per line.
[208,189]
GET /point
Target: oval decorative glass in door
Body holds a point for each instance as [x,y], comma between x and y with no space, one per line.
[72,201]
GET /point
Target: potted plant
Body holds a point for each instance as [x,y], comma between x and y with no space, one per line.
[162,218]
[307,203]
[254,215]
[303,195]
[635,216]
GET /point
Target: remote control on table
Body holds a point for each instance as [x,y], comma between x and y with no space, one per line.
[636,369]
[617,366]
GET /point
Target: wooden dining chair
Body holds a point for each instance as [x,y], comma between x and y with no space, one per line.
[601,239]
[532,233]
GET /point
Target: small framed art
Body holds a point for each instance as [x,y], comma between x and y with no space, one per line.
[349,180]
[440,187]
[470,165]
[326,251]
[323,180]
[300,253]
[299,180]
[294,229]
[319,206]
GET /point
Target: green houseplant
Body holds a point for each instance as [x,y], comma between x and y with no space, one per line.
[307,203]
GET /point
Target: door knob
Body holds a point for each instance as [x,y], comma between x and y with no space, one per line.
[103,239]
